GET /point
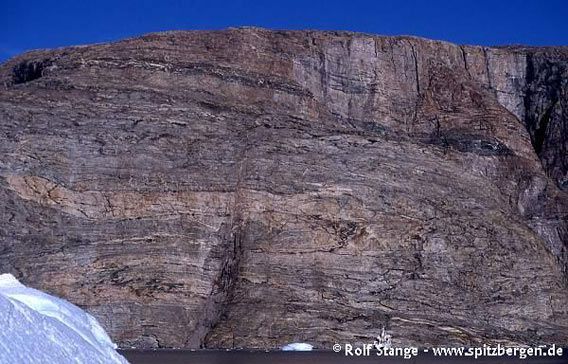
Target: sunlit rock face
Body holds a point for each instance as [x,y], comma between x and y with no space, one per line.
[252,188]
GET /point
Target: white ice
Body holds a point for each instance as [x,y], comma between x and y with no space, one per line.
[39,328]
[297,347]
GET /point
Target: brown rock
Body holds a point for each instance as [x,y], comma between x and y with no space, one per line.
[248,188]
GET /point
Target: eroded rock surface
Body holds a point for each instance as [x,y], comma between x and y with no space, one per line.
[250,188]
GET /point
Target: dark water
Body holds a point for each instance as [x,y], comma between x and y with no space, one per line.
[256,357]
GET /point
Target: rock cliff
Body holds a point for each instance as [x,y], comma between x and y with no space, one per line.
[249,188]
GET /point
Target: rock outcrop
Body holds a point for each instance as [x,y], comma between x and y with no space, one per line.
[250,188]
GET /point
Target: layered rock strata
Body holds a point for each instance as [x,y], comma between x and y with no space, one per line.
[249,188]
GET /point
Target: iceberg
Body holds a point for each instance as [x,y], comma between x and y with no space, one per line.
[39,328]
[297,347]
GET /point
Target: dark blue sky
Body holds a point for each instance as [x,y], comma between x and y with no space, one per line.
[34,24]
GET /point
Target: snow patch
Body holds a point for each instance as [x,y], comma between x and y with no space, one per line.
[37,327]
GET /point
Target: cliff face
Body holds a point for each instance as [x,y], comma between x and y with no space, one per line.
[248,188]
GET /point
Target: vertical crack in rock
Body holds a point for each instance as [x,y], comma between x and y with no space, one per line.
[464,57]
[323,73]
[224,286]
[417,80]
[487,70]
[416,70]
